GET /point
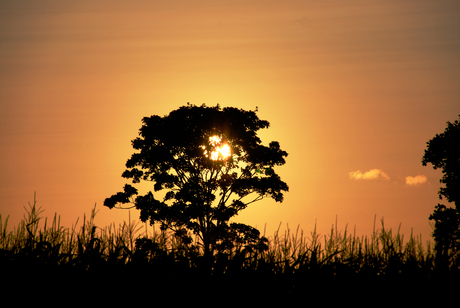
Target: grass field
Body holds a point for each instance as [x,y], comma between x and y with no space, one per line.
[293,265]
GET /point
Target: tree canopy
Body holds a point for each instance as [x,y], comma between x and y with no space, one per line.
[210,164]
[443,151]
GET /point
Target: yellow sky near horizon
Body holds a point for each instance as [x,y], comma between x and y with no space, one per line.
[353,90]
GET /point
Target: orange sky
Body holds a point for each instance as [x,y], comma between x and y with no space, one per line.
[353,91]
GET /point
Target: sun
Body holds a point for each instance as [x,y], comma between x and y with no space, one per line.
[221,151]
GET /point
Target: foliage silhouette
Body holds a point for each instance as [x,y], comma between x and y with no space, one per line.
[446,235]
[205,186]
[443,151]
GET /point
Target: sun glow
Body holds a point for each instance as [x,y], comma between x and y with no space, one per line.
[220,150]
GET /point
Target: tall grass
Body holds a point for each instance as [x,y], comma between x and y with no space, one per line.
[129,246]
[343,253]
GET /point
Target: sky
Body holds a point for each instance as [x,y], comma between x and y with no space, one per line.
[353,90]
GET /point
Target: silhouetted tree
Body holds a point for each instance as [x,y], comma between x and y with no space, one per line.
[210,164]
[443,151]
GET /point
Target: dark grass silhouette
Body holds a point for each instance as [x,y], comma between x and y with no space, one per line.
[89,260]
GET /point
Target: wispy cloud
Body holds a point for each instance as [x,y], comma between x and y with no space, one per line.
[415,180]
[368,175]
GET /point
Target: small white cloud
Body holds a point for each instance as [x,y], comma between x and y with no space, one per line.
[415,180]
[369,175]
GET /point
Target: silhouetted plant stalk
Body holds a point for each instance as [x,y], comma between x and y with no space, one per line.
[88,246]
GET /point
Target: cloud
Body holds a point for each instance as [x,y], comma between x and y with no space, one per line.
[415,180]
[369,175]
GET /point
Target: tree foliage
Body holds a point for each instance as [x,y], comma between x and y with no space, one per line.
[443,151]
[201,187]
